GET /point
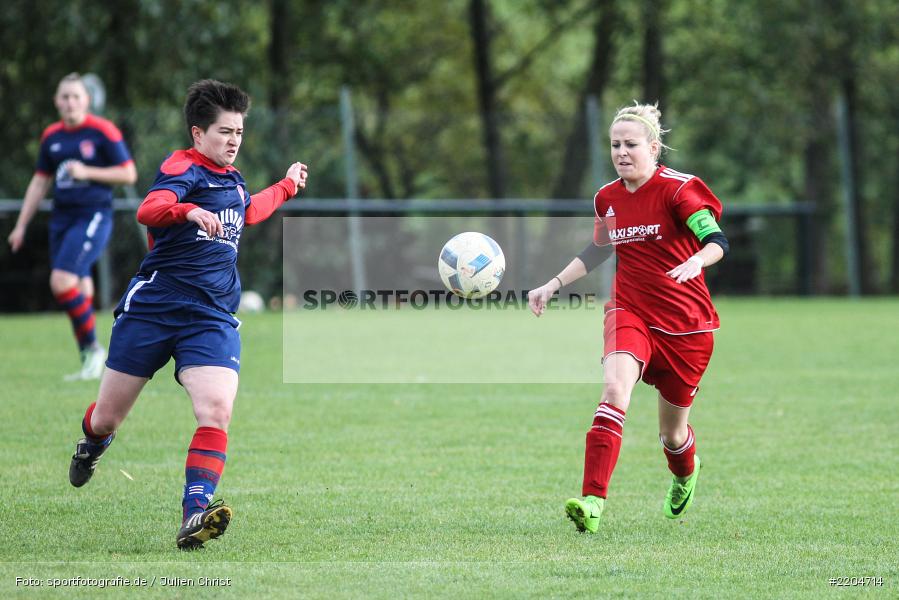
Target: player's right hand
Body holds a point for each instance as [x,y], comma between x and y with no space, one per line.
[208,222]
[16,239]
[538,298]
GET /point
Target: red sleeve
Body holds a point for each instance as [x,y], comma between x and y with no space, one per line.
[264,203]
[693,196]
[161,208]
[51,129]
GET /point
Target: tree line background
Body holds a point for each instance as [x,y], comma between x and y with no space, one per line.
[483,99]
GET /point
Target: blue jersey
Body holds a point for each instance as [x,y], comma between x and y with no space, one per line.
[182,255]
[96,143]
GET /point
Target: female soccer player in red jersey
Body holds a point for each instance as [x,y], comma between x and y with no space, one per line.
[662,225]
[180,303]
[81,157]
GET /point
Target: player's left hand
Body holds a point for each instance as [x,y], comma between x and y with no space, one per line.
[298,172]
[539,298]
[77,169]
[687,270]
[16,239]
[208,222]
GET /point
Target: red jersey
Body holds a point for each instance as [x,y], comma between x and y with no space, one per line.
[649,232]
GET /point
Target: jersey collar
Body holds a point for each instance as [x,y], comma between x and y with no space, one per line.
[87,121]
[652,178]
[201,159]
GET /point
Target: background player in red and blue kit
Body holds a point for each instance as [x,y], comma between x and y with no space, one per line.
[180,303]
[663,227]
[82,156]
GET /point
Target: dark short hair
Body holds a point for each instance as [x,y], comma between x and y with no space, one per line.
[207,98]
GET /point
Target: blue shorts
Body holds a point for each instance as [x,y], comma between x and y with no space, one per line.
[154,323]
[78,240]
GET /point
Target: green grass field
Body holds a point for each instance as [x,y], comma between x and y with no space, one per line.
[383,491]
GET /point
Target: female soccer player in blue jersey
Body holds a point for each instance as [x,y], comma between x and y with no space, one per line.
[180,303]
[81,156]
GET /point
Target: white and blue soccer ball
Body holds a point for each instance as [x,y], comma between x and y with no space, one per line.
[251,302]
[471,265]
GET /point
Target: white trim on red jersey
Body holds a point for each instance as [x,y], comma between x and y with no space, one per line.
[672,174]
[596,195]
[679,189]
[607,185]
[669,173]
[684,333]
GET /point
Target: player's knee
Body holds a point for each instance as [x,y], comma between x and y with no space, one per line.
[60,281]
[86,285]
[215,412]
[222,417]
[617,394]
[673,438]
[104,423]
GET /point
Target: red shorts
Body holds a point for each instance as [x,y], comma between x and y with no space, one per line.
[673,364]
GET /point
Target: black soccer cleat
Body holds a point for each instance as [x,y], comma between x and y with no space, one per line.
[202,527]
[84,461]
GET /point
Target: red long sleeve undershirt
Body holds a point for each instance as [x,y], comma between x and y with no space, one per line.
[161,207]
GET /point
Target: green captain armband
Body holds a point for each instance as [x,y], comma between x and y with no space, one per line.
[702,223]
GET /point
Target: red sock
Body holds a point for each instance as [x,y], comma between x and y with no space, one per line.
[680,460]
[203,469]
[86,426]
[603,446]
[81,313]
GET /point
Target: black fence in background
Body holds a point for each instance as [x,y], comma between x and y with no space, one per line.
[770,245]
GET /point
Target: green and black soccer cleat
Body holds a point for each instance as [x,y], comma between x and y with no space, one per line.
[585,513]
[204,526]
[680,494]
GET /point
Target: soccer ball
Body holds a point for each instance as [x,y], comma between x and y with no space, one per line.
[251,302]
[471,265]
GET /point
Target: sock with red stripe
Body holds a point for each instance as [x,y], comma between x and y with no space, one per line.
[603,446]
[680,460]
[205,463]
[81,313]
[89,434]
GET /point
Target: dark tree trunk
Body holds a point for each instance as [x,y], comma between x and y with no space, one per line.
[865,267]
[279,51]
[119,57]
[486,87]
[894,270]
[818,188]
[653,66]
[575,158]
[371,146]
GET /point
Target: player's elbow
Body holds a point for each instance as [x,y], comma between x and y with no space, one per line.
[719,239]
[143,214]
[39,185]
[129,177]
[251,217]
